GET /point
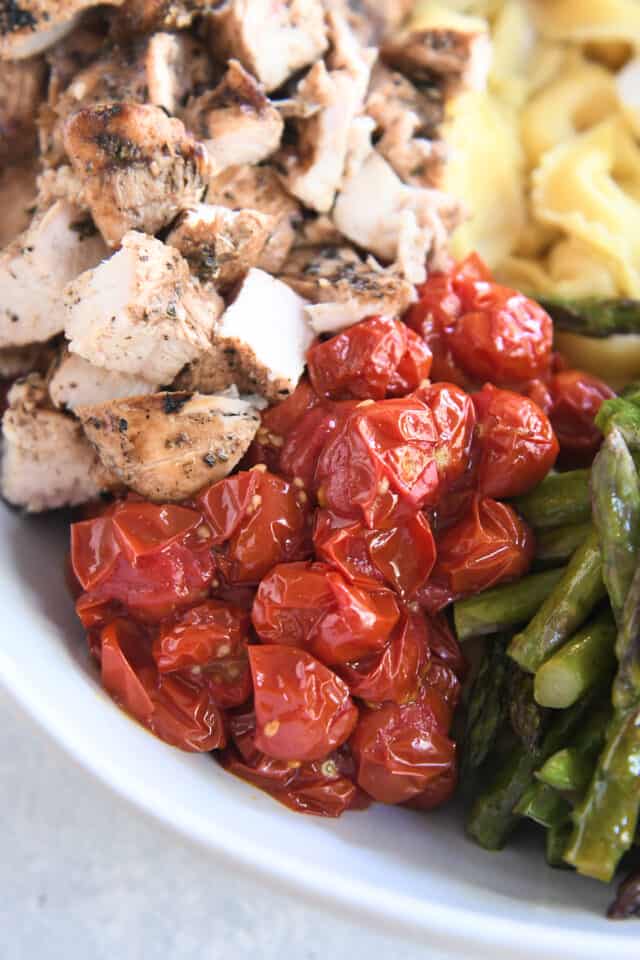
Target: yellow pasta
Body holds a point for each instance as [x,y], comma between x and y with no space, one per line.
[571,269]
[580,20]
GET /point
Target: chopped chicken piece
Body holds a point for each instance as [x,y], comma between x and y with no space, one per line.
[265,334]
[21,91]
[405,224]
[144,16]
[18,361]
[236,121]
[408,123]
[213,372]
[314,168]
[18,195]
[170,445]
[141,167]
[28,27]
[259,188]
[342,288]
[371,20]
[219,244]
[47,461]
[35,268]
[458,58]
[77,383]
[140,312]
[71,56]
[59,183]
[272,38]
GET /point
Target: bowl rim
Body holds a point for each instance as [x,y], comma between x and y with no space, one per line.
[470,932]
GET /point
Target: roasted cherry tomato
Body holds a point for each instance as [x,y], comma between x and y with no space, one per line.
[517,444]
[393,674]
[437,791]
[312,606]
[277,422]
[178,710]
[455,420]
[489,545]
[265,518]
[209,640]
[399,748]
[305,441]
[414,367]
[381,445]
[401,553]
[577,397]
[445,648]
[94,551]
[303,710]
[359,362]
[539,392]
[144,528]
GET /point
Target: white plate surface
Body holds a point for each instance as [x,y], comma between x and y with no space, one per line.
[391,866]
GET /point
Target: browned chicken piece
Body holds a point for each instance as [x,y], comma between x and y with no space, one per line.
[213,372]
[407,226]
[71,56]
[457,59]
[18,361]
[34,269]
[18,197]
[141,167]
[27,27]
[140,312]
[74,382]
[221,245]
[159,70]
[272,38]
[259,188]
[372,20]
[145,16]
[60,183]
[236,122]
[47,461]
[169,445]
[343,289]
[314,166]
[21,92]
[408,123]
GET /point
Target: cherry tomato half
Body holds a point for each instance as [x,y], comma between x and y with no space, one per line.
[577,398]
[455,420]
[489,545]
[359,362]
[517,444]
[414,367]
[305,441]
[303,709]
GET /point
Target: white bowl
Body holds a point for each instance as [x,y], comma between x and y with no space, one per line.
[390,865]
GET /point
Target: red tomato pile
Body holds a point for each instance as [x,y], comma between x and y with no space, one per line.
[290,616]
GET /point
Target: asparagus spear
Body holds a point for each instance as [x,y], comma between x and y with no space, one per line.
[604,823]
[528,720]
[561,498]
[485,710]
[556,545]
[571,768]
[544,805]
[503,607]
[578,665]
[491,818]
[556,843]
[593,317]
[626,687]
[625,415]
[616,512]
[574,597]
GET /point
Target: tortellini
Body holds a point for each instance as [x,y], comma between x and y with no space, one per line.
[581,20]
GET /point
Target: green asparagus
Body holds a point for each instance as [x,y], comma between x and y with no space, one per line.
[578,665]
[594,317]
[544,805]
[503,608]
[561,498]
[616,511]
[626,688]
[625,415]
[605,822]
[571,768]
[528,720]
[485,710]
[556,843]
[565,609]
[556,545]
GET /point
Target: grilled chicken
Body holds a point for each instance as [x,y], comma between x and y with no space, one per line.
[60,183]
[272,38]
[35,268]
[21,92]
[259,188]
[76,383]
[145,16]
[314,168]
[28,27]
[406,224]
[342,288]
[140,167]
[18,195]
[47,461]
[140,312]
[459,59]
[221,245]
[408,124]
[236,121]
[169,445]
[265,335]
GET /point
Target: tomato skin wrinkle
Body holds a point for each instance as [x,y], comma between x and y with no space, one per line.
[576,399]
